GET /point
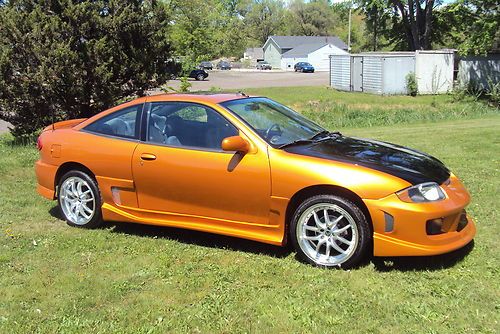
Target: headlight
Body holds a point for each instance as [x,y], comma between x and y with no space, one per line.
[424,192]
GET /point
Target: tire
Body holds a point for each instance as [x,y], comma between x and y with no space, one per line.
[340,241]
[79,200]
[200,77]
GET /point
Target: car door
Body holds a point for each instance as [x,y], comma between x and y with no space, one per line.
[106,147]
[181,168]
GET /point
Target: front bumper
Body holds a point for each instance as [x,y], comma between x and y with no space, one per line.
[400,227]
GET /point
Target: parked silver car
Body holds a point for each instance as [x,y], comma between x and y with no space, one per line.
[263,65]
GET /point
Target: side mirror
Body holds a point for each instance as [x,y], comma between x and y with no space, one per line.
[235,143]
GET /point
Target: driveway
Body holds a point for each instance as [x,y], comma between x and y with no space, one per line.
[236,79]
[4,126]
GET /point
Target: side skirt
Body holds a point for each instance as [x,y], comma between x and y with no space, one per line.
[272,233]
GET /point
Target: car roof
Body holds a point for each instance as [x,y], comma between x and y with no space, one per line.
[197,97]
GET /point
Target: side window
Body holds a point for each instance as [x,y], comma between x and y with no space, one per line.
[123,123]
[187,125]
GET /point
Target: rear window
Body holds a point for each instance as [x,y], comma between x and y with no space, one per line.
[123,123]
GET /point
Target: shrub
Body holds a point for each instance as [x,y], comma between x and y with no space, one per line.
[474,91]
[185,85]
[71,59]
[411,84]
[494,92]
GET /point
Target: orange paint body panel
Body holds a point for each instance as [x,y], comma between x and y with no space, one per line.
[231,193]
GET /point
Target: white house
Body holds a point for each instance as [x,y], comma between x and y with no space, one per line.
[285,51]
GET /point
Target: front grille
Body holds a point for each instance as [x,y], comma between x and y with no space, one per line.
[456,222]
[434,226]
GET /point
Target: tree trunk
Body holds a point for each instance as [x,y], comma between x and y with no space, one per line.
[426,42]
[417,22]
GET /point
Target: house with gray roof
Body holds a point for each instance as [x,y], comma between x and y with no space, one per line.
[254,55]
[285,51]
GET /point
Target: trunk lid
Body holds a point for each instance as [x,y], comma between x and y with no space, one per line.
[64,124]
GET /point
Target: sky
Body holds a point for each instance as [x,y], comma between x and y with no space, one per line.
[338,1]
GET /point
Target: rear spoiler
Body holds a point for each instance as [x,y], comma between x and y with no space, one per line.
[64,124]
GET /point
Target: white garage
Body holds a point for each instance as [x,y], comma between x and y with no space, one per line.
[285,51]
[318,55]
[385,72]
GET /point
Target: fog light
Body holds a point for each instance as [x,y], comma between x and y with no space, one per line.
[434,226]
[462,222]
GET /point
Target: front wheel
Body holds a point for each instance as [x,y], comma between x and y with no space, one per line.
[330,231]
[200,77]
[79,199]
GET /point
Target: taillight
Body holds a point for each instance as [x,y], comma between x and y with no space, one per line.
[39,144]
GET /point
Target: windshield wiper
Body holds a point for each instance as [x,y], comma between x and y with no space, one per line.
[313,139]
[322,132]
[327,134]
[296,142]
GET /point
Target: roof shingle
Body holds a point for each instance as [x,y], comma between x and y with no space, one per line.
[290,42]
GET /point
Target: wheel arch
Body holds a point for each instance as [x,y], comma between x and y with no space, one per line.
[68,166]
[324,189]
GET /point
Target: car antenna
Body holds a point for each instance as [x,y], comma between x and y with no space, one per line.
[243,94]
[53,127]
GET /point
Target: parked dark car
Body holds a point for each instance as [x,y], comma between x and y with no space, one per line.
[206,65]
[263,65]
[303,67]
[224,65]
[199,75]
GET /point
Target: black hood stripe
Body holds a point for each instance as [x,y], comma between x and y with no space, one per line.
[407,164]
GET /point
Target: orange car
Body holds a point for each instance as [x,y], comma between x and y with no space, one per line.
[250,167]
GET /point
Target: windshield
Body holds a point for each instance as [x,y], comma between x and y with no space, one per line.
[275,123]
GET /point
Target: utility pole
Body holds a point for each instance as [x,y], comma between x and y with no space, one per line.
[349,35]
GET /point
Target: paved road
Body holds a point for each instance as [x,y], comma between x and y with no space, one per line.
[235,79]
[3,126]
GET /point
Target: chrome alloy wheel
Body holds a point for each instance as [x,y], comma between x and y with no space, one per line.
[77,200]
[327,234]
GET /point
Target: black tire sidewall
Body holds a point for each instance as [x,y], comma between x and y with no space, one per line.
[97,218]
[362,227]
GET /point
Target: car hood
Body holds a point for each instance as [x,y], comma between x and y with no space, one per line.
[408,164]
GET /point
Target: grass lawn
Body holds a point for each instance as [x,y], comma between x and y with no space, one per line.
[129,278]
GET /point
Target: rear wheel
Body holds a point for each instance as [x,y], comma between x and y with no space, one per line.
[330,231]
[79,199]
[200,77]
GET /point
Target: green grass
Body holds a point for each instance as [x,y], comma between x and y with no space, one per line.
[129,278]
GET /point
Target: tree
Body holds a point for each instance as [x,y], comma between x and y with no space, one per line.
[71,59]
[312,18]
[476,25]
[262,18]
[205,29]
[417,21]
[340,26]
[376,15]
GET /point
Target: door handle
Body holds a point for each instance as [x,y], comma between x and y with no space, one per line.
[148,156]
